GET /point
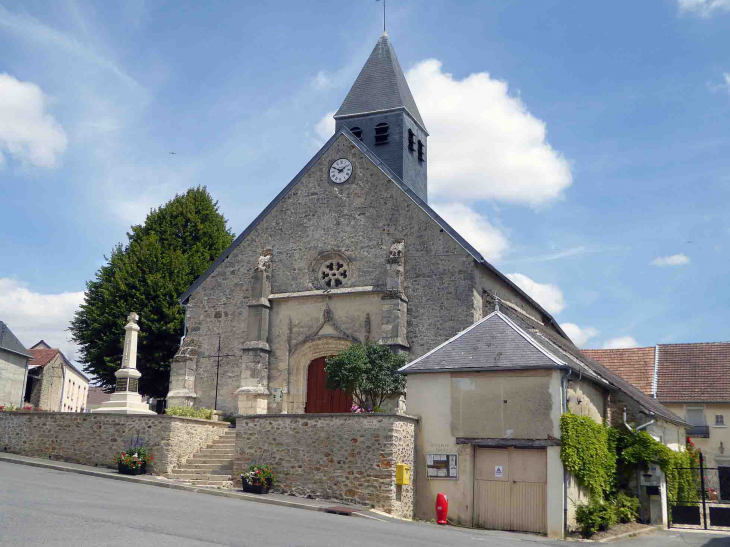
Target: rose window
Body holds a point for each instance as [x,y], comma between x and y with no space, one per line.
[333,273]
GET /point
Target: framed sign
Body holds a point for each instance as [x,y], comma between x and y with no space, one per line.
[442,466]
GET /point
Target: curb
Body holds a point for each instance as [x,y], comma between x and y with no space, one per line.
[628,535]
[155,482]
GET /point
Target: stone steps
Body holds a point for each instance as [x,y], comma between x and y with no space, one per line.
[211,466]
[195,478]
[206,466]
[217,452]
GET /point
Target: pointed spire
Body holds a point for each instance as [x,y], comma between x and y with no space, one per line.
[381,86]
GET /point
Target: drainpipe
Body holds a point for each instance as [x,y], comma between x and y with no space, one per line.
[643,426]
[25,381]
[564,393]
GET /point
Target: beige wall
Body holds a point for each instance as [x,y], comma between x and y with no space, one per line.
[472,405]
[60,388]
[586,399]
[12,378]
[501,404]
[718,434]
[75,392]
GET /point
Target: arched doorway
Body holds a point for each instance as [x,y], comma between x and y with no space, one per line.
[321,400]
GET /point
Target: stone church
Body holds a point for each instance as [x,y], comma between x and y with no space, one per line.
[349,251]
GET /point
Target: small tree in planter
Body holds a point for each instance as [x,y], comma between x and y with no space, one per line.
[369,373]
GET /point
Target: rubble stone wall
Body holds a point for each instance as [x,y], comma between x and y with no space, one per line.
[344,457]
[94,439]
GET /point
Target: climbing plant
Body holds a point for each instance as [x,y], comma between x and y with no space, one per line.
[603,458]
[585,453]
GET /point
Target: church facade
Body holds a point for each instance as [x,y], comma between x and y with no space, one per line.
[349,251]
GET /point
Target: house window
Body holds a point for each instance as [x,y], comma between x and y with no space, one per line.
[411,141]
[381,133]
[421,152]
[696,416]
[719,420]
[357,132]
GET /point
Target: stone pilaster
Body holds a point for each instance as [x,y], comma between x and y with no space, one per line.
[395,304]
[182,375]
[253,393]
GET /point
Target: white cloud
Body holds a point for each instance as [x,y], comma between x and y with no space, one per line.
[27,131]
[726,75]
[548,296]
[579,336]
[704,8]
[322,80]
[34,316]
[326,127]
[620,343]
[475,228]
[484,143]
[679,259]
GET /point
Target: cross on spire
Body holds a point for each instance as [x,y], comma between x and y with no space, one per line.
[383,15]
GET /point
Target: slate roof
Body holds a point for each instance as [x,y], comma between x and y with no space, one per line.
[491,336]
[494,343]
[9,342]
[380,86]
[694,373]
[97,395]
[566,348]
[635,365]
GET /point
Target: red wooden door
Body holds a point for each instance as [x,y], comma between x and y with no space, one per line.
[321,400]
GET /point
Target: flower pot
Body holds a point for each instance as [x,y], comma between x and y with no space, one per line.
[255,488]
[124,470]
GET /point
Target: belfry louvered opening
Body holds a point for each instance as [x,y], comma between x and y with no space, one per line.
[381,133]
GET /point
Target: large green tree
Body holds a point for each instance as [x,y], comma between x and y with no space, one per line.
[161,259]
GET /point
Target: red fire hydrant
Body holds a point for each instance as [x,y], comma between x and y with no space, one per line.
[442,508]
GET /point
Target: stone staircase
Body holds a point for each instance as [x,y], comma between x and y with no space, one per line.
[211,466]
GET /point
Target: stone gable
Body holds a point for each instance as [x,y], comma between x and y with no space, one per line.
[401,280]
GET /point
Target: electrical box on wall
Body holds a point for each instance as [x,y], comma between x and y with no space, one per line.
[402,474]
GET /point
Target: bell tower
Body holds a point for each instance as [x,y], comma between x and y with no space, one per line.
[381,112]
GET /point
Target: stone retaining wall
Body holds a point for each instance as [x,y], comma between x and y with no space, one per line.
[94,439]
[346,457]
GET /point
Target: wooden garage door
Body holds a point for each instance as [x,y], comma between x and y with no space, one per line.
[511,489]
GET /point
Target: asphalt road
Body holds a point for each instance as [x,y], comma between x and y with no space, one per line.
[54,508]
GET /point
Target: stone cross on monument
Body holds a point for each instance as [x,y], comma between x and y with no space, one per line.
[126,399]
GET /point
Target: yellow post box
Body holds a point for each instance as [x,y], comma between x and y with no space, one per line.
[402,474]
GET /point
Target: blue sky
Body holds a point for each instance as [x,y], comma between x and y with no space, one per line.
[584,147]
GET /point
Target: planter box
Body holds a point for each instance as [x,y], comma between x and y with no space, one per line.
[255,488]
[124,470]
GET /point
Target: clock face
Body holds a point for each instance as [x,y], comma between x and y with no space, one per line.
[340,171]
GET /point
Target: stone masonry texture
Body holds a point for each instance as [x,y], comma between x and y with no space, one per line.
[94,439]
[359,220]
[345,457]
